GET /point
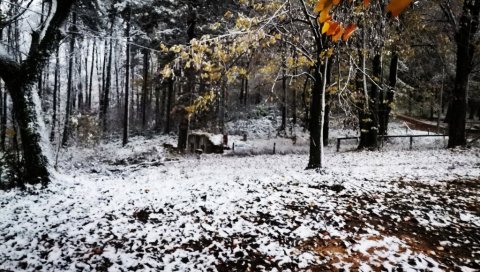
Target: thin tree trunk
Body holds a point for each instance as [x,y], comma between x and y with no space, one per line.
[108,82]
[55,94]
[158,117]
[2,146]
[322,118]
[127,85]
[90,88]
[168,108]
[78,81]
[86,77]
[117,79]
[242,89]
[146,63]
[326,97]
[284,103]
[3,123]
[68,107]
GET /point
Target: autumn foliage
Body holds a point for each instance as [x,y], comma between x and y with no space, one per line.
[336,30]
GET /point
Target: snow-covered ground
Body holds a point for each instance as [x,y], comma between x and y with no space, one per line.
[141,208]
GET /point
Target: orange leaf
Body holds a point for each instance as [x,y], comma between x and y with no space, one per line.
[333,28]
[336,2]
[397,6]
[323,4]
[349,31]
[325,27]
[366,3]
[324,16]
[338,35]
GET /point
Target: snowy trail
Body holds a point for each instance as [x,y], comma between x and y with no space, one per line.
[367,210]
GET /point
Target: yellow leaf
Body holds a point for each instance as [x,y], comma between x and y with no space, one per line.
[397,6]
[325,27]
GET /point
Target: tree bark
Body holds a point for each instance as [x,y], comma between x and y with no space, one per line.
[3,120]
[168,108]
[127,84]
[386,104]
[20,79]
[326,119]
[369,117]
[146,63]
[2,146]
[90,87]
[55,95]
[468,27]
[284,102]
[68,107]
[108,84]
[314,161]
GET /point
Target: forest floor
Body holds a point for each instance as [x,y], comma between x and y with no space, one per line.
[141,208]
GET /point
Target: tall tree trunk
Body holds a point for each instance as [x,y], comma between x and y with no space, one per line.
[117,77]
[158,115]
[386,104]
[78,81]
[100,75]
[223,105]
[146,63]
[127,84]
[326,119]
[31,128]
[306,123]
[245,94]
[3,122]
[468,26]
[184,121]
[90,87]
[86,77]
[40,77]
[322,115]
[168,107]
[369,117]
[108,84]
[68,107]
[2,146]
[284,102]
[55,95]
[314,161]
[242,89]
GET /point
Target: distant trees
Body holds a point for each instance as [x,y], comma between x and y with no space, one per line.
[142,67]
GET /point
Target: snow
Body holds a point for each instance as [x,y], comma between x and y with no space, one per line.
[142,208]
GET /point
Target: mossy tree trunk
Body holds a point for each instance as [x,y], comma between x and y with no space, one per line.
[20,79]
